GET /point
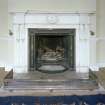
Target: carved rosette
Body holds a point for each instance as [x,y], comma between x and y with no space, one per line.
[52,19]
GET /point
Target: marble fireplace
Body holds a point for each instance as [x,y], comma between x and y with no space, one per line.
[56,40]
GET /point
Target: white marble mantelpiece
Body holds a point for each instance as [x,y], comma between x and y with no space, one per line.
[82,22]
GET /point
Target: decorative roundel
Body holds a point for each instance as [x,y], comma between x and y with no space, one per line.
[52,19]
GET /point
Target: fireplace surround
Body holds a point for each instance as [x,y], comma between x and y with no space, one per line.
[82,23]
[51,50]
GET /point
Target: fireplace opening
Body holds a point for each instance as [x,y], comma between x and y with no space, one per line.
[51,50]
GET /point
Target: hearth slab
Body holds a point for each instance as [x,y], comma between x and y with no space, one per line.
[37,75]
[58,82]
[74,84]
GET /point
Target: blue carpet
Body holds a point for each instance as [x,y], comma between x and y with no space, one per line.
[54,100]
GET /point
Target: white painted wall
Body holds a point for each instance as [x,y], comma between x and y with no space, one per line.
[52,5]
[6,47]
[101,32]
[4,44]
[3,17]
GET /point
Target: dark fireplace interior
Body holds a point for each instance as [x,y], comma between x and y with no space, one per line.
[51,50]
